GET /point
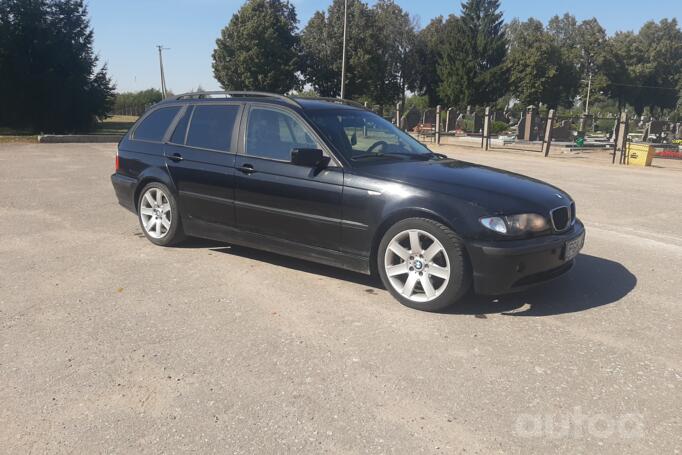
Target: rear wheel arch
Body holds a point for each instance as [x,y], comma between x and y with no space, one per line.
[146,180]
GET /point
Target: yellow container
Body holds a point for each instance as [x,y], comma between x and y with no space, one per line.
[640,154]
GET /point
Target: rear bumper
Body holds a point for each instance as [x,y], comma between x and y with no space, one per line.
[125,190]
[509,266]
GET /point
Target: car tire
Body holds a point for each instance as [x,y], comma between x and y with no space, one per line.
[159,215]
[423,264]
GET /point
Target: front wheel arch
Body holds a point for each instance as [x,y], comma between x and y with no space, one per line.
[454,257]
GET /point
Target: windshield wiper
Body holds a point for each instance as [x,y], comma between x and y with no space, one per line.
[414,156]
[369,155]
[411,156]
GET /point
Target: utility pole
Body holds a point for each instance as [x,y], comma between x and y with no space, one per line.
[343,62]
[589,89]
[163,76]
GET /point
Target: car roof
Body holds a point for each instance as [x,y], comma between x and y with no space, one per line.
[305,103]
[318,104]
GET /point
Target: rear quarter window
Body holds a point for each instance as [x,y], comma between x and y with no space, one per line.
[153,127]
[178,136]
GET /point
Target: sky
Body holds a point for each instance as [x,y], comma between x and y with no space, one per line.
[127,31]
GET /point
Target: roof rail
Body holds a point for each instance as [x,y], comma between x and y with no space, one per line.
[232,94]
[334,100]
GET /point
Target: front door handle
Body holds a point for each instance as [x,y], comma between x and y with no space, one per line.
[176,157]
[246,169]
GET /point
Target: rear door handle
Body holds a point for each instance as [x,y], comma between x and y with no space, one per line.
[176,157]
[246,169]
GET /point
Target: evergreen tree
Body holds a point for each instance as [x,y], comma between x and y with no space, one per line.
[259,49]
[48,71]
[472,66]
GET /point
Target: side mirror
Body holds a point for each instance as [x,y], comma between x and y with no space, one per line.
[308,157]
[354,139]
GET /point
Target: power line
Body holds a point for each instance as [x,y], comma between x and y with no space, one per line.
[644,86]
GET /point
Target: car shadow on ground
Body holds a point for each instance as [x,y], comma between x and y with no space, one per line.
[593,282]
[373,283]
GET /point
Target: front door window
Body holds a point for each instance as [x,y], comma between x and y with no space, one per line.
[272,134]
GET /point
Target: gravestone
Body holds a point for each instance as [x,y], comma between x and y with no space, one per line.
[429,118]
[499,116]
[653,131]
[478,123]
[529,127]
[410,119]
[459,123]
[562,133]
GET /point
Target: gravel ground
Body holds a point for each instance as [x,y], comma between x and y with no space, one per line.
[109,344]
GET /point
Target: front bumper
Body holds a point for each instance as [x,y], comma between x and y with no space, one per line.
[509,266]
[125,190]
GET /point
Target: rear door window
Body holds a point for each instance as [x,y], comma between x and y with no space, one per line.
[153,127]
[211,127]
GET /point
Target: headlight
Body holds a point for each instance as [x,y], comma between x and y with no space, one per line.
[516,224]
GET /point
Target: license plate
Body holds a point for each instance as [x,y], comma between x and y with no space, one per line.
[573,247]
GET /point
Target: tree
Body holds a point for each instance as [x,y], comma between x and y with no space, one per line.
[259,48]
[49,79]
[539,71]
[659,69]
[428,52]
[585,44]
[135,103]
[472,65]
[322,43]
[397,41]
[564,30]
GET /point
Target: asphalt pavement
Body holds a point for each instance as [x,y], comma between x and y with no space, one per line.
[109,344]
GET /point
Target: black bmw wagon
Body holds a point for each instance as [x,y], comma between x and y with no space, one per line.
[328,181]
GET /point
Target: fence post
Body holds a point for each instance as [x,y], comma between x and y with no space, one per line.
[621,139]
[397,115]
[529,123]
[547,140]
[485,137]
[438,124]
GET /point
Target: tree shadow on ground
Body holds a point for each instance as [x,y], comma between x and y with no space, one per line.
[593,282]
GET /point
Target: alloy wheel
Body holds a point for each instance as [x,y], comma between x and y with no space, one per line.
[417,265]
[155,213]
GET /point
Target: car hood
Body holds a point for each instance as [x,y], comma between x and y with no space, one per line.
[494,190]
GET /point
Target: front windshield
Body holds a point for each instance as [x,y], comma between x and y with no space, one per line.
[364,136]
